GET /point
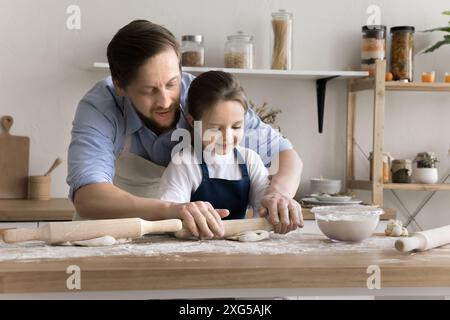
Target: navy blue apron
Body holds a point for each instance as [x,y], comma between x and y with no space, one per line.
[225,194]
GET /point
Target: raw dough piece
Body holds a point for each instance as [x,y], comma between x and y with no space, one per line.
[250,236]
[395,228]
[96,242]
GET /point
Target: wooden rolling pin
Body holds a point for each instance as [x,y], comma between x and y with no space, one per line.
[58,232]
[233,227]
[424,240]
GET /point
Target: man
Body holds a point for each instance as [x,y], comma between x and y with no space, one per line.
[121,140]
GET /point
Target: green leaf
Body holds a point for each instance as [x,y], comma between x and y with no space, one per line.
[446,13]
[438,45]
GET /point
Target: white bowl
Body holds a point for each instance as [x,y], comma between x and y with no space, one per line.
[328,186]
[347,223]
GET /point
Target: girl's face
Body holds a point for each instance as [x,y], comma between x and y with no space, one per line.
[223,126]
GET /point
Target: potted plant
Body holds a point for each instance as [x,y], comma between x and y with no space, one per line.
[426,171]
[444,41]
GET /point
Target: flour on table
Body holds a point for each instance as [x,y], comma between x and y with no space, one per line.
[250,236]
[96,242]
[295,242]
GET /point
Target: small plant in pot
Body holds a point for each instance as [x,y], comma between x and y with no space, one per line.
[426,171]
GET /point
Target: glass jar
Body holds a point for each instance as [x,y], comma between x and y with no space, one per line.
[282,40]
[192,51]
[402,47]
[239,51]
[373,47]
[387,160]
[401,171]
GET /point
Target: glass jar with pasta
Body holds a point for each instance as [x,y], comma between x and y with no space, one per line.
[282,40]
[402,47]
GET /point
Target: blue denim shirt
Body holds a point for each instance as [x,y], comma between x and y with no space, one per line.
[103,120]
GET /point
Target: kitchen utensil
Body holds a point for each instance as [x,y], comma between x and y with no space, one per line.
[424,240]
[58,232]
[347,223]
[14,158]
[57,162]
[233,227]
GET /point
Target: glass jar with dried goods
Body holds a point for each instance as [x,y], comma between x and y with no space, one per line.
[373,47]
[387,160]
[192,51]
[402,47]
[401,171]
[282,40]
[239,51]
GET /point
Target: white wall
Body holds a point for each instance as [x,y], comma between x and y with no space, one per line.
[45,69]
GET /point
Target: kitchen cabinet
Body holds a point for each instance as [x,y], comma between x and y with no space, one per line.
[379,87]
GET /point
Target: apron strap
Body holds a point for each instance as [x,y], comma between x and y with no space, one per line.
[241,162]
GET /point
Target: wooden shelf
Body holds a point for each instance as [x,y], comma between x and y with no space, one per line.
[367,185]
[368,84]
[417,187]
[34,210]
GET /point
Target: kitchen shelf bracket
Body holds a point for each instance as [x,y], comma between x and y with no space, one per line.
[321,87]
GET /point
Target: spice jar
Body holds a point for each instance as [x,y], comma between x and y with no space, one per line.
[192,51]
[401,171]
[282,40]
[373,47]
[239,51]
[402,46]
[387,160]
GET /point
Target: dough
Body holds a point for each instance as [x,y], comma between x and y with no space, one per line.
[250,236]
[96,242]
[395,228]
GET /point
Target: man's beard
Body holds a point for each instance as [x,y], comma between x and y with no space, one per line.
[156,127]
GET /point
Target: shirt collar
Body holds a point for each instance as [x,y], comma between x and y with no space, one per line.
[133,121]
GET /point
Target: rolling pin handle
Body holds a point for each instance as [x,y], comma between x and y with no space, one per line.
[23,234]
[409,244]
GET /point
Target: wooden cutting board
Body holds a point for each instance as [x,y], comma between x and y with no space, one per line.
[14,158]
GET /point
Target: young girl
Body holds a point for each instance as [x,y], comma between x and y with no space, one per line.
[223,173]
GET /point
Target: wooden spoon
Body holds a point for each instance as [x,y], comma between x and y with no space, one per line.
[57,162]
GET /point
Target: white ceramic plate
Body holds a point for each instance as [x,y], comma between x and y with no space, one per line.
[316,201]
[333,198]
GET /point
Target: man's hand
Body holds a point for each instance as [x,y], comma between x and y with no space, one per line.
[284,213]
[201,219]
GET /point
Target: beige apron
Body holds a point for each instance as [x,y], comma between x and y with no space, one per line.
[135,175]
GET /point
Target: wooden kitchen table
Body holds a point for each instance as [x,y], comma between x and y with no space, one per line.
[319,272]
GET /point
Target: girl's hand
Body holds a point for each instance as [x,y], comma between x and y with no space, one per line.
[284,213]
[202,220]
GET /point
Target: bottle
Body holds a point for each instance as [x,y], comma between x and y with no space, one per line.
[373,47]
[387,161]
[192,51]
[402,47]
[282,40]
[239,51]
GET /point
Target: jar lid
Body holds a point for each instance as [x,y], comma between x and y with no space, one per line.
[195,38]
[374,27]
[282,14]
[402,28]
[398,161]
[240,36]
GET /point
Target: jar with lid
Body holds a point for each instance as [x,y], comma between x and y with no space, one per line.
[192,51]
[387,160]
[239,51]
[402,47]
[401,171]
[282,40]
[373,47]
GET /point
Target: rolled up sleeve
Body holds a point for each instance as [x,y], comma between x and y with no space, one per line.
[263,139]
[91,151]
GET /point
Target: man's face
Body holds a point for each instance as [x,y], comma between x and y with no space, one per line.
[156,91]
